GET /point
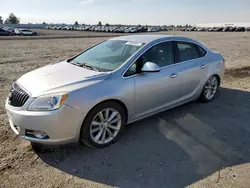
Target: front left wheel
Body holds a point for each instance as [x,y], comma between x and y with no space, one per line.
[103,125]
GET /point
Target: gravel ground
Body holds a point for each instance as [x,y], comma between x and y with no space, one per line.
[195,145]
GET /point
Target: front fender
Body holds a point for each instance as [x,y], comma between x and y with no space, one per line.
[120,89]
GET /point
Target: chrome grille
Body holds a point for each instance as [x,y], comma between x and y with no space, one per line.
[17,96]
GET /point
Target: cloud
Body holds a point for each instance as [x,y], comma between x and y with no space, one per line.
[84,2]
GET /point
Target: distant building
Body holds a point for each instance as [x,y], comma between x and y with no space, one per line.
[223,25]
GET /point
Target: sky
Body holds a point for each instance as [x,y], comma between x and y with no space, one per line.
[151,12]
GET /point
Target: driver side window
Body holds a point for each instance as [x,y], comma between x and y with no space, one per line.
[160,54]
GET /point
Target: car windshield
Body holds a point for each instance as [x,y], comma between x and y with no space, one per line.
[107,56]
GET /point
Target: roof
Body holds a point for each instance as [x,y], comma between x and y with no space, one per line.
[151,38]
[142,38]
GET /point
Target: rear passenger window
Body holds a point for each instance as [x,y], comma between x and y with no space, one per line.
[202,51]
[187,51]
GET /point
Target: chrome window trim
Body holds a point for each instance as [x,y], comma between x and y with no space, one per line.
[172,40]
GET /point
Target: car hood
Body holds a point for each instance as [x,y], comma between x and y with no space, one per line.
[59,77]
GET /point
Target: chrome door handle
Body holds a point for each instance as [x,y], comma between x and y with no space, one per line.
[173,76]
[202,66]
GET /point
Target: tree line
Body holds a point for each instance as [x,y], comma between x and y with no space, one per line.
[12,19]
[99,23]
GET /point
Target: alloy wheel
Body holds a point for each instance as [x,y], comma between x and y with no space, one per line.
[211,87]
[105,126]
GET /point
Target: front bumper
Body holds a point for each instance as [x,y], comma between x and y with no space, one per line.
[62,126]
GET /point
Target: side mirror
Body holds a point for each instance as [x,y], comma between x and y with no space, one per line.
[150,67]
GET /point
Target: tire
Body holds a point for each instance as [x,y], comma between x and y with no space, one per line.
[87,137]
[214,90]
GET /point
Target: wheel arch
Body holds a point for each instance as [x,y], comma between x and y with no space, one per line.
[219,79]
[216,75]
[104,101]
[122,104]
[116,101]
[216,68]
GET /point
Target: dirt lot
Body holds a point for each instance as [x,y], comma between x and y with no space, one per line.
[195,145]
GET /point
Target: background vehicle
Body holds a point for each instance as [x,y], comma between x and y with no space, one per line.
[4,32]
[219,29]
[138,76]
[153,29]
[25,32]
[137,29]
[201,29]
[240,29]
[11,29]
[212,29]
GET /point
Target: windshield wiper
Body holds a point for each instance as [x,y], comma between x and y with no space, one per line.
[90,67]
[85,65]
[77,64]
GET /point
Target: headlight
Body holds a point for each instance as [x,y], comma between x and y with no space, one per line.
[48,102]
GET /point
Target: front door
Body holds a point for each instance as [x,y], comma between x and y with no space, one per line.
[156,90]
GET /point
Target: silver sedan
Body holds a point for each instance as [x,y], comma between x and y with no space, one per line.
[92,96]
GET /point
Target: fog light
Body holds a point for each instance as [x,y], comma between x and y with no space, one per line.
[39,134]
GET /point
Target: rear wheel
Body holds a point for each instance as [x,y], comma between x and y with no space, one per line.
[210,89]
[104,125]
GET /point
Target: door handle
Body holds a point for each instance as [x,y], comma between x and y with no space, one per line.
[202,66]
[173,75]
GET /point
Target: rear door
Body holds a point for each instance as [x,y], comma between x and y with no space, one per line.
[192,69]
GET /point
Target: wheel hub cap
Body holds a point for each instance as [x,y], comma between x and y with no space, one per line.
[105,125]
